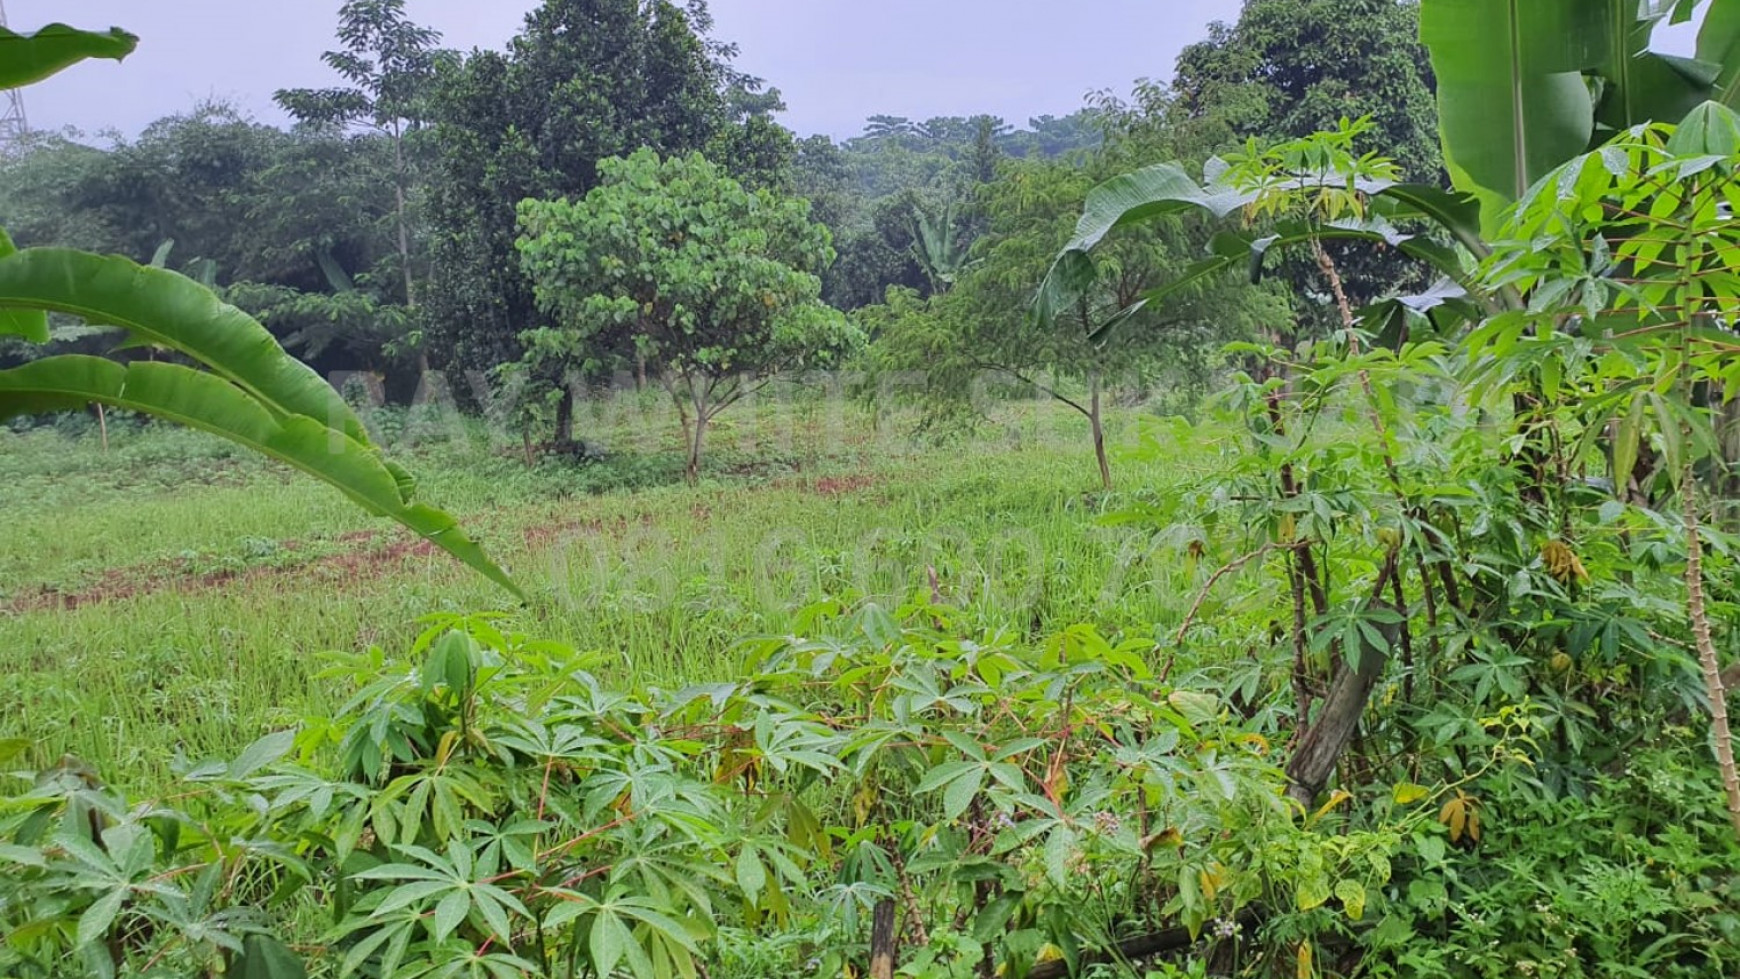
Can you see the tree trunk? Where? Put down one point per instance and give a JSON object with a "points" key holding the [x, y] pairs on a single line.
{"points": [[404, 224], [1320, 749], [565, 419], [1097, 422], [696, 437], [1309, 769], [1707, 649], [405, 240]]}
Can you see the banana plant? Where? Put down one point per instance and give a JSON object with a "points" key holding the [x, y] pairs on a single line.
{"points": [[28, 58], [938, 248], [1526, 85], [243, 386]]}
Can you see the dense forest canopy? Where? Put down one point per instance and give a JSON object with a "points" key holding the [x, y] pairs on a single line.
{"points": [[378, 233]]}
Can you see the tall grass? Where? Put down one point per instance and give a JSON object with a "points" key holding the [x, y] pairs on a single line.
{"points": [[171, 597]]}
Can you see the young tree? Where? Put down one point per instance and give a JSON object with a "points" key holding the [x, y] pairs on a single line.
{"points": [[714, 287], [983, 325]]}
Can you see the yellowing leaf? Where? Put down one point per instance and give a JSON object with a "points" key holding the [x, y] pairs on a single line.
{"points": [[1455, 815], [1311, 892], [1462, 816], [1255, 742], [1336, 798], [1407, 793], [1351, 894], [1166, 837], [1212, 878], [444, 750], [1197, 707], [1304, 970]]}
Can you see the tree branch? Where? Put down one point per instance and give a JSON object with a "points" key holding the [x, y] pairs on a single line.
{"points": [[1024, 379]]}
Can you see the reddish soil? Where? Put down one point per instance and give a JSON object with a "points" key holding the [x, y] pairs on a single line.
{"points": [[368, 555], [543, 535], [119, 584]]}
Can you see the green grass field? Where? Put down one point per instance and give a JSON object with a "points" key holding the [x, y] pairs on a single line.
{"points": [[173, 596]]}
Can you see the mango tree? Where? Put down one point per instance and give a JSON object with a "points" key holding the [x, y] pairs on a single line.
{"points": [[954, 340], [712, 286]]}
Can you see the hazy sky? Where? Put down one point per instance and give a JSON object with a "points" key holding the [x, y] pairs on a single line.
{"points": [[836, 61]]}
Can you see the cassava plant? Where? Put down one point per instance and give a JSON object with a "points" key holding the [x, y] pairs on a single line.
{"points": [[488, 807], [1628, 257]]}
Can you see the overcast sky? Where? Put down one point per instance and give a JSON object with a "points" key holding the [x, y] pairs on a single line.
{"points": [[836, 61]]}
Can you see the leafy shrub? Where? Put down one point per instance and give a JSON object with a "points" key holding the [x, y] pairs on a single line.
{"points": [[488, 808]]}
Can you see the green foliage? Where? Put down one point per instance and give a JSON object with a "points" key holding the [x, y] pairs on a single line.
{"points": [[1290, 68], [267, 215], [390, 65], [584, 81], [251, 392], [1305, 191], [673, 265], [1538, 600], [1626, 257], [1454, 667], [489, 808], [1634, 877], [162, 585], [965, 342], [371, 333], [388, 61], [874, 190]]}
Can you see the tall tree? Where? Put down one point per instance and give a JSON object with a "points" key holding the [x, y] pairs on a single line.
{"points": [[297, 228], [389, 63], [584, 80], [712, 285], [1290, 68]]}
